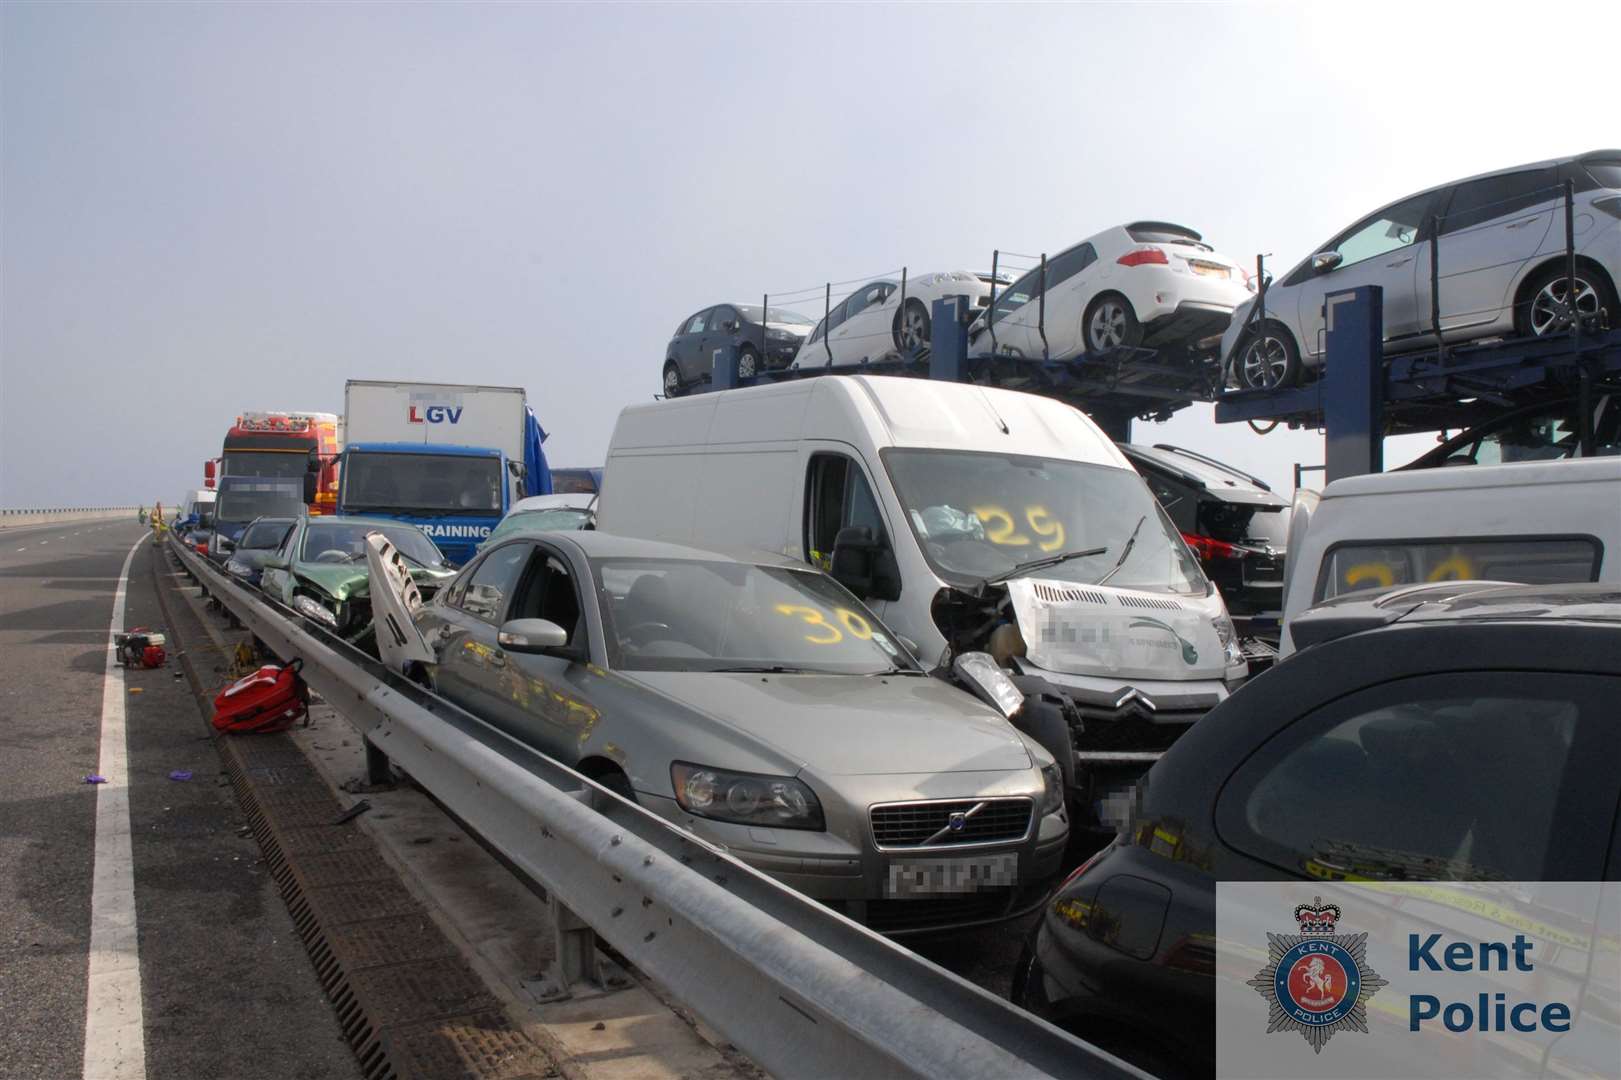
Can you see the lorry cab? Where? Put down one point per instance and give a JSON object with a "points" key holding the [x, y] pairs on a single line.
{"points": [[1532, 523], [455, 494], [970, 518]]}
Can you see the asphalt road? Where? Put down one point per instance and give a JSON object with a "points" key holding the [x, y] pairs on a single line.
{"points": [[226, 987]]}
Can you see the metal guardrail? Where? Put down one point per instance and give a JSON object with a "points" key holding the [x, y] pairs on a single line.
{"points": [[798, 987]]}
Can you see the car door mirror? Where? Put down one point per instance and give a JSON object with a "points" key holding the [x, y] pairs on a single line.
{"points": [[1324, 261], [851, 562], [275, 562], [730, 326], [531, 635], [309, 488]]}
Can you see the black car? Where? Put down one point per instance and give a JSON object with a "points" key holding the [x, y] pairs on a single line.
{"points": [[1233, 522], [1545, 431], [258, 542], [764, 341], [1464, 731]]}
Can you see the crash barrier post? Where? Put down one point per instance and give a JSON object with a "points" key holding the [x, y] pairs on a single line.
{"points": [[1353, 382], [796, 986], [948, 338]]}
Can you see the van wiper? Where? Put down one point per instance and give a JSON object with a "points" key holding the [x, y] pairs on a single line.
{"points": [[766, 669], [1125, 553], [1045, 560]]}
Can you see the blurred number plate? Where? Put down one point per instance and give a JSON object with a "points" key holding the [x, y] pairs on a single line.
{"points": [[933, 877], [1210, 269]]}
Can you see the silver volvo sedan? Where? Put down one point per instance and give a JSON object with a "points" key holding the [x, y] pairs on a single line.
{"points": [[760, 705]]}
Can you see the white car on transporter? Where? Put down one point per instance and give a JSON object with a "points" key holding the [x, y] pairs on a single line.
{"points": [[1499, 248], [875, 322], [1149, 283]]}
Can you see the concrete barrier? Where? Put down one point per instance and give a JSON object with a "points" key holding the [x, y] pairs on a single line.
{"points": [[11, 519]]}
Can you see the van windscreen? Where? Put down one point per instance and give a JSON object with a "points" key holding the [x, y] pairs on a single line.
{"points": [[977, 516]]}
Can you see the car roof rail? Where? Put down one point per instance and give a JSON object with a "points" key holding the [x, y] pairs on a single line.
{"points": [[1222, 465]]}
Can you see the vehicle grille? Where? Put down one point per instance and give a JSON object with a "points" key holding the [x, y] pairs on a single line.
{"points": [[1129, 729], [900, 825]]}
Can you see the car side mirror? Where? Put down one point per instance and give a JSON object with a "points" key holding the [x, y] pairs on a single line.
{"points": [[309, 488], [531, 635], [865, 565], [275, 562], [312, 463], [1324, 261]]}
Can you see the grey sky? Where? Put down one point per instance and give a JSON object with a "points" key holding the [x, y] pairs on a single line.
{"points": [[205, 209]]}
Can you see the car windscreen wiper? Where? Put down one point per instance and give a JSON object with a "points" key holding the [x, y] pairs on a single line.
{"points": [[766, 669], [1125, 552], [1045, 560]]}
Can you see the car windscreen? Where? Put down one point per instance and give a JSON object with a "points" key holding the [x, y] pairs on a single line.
{"points": [[696, 615], [556, 519], [245, 505], [978, 515], [778, 315], [266, 463], [342, 541], [265, 534], [1379, 564], [451, 483]]}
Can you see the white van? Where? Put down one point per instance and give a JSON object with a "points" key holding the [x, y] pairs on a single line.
{"points": [[969, 518], [1534, 522]]}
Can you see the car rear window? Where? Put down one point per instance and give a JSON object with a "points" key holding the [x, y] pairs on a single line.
{"points": [[1165, 234], [1542, 560], [1606, 173]]}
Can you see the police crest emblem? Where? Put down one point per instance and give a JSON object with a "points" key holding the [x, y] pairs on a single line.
{"points": [[1317, 981]]}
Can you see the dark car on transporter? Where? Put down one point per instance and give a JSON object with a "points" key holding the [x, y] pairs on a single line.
{"points": [[764, 339], [1392, 699]]}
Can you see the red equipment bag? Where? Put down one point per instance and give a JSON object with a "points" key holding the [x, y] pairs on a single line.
{"points": [[269, 700]]}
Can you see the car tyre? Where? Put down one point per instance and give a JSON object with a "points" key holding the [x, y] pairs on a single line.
{"points": [[1111, 324], [672, 380], [912, 327], [1267, 359], [1541, 313], [748, 362]]}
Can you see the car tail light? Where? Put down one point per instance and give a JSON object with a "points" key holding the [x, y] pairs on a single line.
{"points": [[1085, 866], [202, 547], [1145, 256], [1208, 547]]}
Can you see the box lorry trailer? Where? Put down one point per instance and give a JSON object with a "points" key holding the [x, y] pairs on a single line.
{"points": [[450, 459]]}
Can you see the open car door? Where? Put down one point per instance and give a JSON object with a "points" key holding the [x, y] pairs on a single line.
{"points": [[395, 600]]}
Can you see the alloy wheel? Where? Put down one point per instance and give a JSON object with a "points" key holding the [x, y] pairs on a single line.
{"points": [[1551, 309], [1108, 328], [672, 381], [914, 327], [745, 365], [1266, 362]]}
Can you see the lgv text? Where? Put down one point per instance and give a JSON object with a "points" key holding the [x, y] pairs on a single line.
{"points": [[434, 414]]}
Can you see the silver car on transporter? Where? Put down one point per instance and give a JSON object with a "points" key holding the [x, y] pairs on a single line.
{"points": [[1499, 239], [760, 705]]}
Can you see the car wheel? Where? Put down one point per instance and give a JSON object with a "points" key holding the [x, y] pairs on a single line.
{"points": [[672, 380], [1267, 359], [1545, 310], [748, 362], [1111, 324], [912, 327]]}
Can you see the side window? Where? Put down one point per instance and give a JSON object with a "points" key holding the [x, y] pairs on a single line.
{"points": [[1539, 560], [1536, 805], [696, 325], [1179, 503], [1068, 264], [550, 592], [1392, 228], [1016, 295], [866, 296], [492, 583], [816, 335], [837, 495], [721, 316], [1479, 201]]}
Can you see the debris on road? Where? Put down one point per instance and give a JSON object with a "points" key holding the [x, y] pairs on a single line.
{"points": [[94, 779], [180, 774]]}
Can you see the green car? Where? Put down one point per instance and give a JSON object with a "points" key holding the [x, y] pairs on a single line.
{"points": [[320, 570]]}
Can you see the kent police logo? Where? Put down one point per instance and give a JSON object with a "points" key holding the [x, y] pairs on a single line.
{"points": [[1317, 981]]}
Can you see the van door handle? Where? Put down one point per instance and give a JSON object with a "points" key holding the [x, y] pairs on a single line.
{"points": [[1521, 224], [1400, 262]]}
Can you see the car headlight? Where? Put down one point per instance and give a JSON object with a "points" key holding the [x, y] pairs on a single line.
{"points": [[988, 681], [1052, 790], [779, 802], [239, 569], [1228, 634], [314, 609], [780, 335]]}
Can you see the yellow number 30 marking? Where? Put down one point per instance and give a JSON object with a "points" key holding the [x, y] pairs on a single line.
{"points": [[816, 620]]}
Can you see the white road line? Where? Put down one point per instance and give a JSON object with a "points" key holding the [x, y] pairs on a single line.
{"points": [[24, 548], [114, 1036]]}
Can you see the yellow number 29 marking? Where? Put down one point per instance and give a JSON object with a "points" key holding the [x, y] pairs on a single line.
{"points": [[817, 621], [1378, 573], [1001, 529], [1042, 523]]}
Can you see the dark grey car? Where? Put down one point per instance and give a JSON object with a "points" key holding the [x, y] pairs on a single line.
{"points": [[758, 704], [764, 340]]}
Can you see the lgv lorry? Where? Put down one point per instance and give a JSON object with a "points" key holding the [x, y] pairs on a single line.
{"points": [[449, 459]]}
